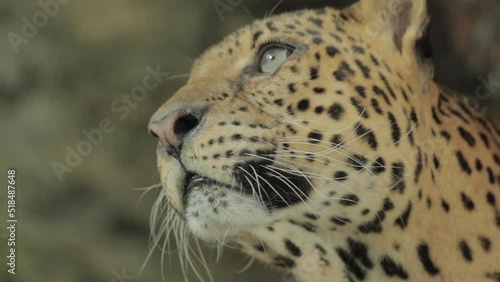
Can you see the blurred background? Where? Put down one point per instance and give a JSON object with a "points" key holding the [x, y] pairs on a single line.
{"points": [[64, 66]]}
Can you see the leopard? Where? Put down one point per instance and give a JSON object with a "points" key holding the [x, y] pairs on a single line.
{"points": [[318, 142]]}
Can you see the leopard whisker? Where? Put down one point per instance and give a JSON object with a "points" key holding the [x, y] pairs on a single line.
{"points": [[350, 142], [269, 13], [274, 190], [360, 116], [256, 193], [316, 176], [406, 134], [322, 177], [259, 187], [306, 175], [246, 266], [283, 178]]}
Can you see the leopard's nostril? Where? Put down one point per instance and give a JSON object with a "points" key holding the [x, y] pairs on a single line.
{"points": [[184, 124], [173, 129]]}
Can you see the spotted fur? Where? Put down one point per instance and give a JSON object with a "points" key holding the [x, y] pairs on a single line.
{"points": [[347, 162]]}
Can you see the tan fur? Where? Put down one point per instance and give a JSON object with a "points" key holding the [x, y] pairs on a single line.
{"points": [[222, 70]]}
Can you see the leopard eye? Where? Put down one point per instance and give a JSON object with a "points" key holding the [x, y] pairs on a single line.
{"points": [[272, 58]]}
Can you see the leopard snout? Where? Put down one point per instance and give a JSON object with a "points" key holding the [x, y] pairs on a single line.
{"points": [[174, 128]]}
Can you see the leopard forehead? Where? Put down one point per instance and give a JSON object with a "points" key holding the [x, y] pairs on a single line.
{"points": [[321, 33]]}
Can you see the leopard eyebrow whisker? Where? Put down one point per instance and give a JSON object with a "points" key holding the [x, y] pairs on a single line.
{"points": [[248, 13], [190, 60], [269, 13], [184, 75]]}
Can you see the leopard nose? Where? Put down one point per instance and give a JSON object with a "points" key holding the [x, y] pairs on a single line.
{"points": [[173, 129]]}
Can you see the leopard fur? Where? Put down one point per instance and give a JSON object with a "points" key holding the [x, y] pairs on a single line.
{"points": [[346, 162]]}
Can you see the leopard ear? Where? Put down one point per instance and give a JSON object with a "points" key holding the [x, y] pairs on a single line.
{"points": [[405, 21]]}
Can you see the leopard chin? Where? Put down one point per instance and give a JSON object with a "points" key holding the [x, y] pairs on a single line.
{"points": [[216, 213]]}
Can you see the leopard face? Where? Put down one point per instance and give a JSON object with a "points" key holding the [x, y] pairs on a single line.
{"points": [[320, 136]]}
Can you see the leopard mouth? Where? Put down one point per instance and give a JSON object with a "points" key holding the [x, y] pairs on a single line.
{"points": [[193, 180], [275, 191]]}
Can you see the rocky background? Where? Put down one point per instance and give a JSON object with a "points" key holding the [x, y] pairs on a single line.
{"points": [[61, 77]]}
